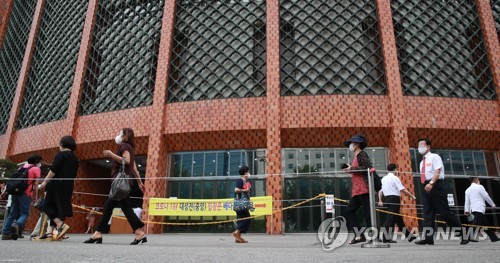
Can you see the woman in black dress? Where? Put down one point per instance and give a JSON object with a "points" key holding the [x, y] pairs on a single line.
{"points": [[126, 151], [59, 183], [242, 188]]}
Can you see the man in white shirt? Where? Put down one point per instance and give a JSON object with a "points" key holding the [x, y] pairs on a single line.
{"points": [[475, 198], [391, 189], [434, 195]]}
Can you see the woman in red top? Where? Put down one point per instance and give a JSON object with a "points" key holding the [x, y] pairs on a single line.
{"points": [[359, 186]]}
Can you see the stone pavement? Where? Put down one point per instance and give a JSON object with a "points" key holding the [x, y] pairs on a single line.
{"points": [[221, 248]]}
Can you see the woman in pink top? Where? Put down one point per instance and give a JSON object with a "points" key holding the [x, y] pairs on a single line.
{"points": [[20, 208], [359, 187]]}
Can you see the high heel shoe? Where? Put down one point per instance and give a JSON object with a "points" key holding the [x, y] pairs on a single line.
{"points": [[92, 241], [137, 241]]}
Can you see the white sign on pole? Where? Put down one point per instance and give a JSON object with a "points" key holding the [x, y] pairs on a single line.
{"points": [[451, 200], [330, 202]]}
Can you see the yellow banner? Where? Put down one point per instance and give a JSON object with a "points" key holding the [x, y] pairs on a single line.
{"points": [[206, 207]]}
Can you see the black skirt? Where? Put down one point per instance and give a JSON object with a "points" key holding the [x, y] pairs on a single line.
{"points": [[58, 199]]}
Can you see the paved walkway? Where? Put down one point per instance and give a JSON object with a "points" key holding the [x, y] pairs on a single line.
{"points": [[221, 248]]}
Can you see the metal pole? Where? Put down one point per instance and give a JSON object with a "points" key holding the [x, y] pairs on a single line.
{"points": [[322, 207], [371, 189]]}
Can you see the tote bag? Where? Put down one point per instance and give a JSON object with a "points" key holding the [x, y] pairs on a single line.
{"points": [[120, 187]]}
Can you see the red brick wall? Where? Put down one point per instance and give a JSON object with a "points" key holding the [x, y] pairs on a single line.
{"points": [[272, 122]]}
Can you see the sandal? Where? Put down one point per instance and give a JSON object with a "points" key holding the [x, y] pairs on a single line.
{"points": [[46, 236], [61, 231]]}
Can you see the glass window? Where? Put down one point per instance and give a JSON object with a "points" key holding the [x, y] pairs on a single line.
{"points": [[445, 156], [341, 157], [260, 163], [289, 164], [198, 164], [316, 163], [176, 166], [480, 163], [303, 165], [328, 160], [187, 165], [210, 164], [457, 163], [468, 163], [234, 162], [377, 156], [414, 164], [222, 164]]}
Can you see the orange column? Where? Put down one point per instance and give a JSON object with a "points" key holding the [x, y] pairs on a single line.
{"points": [[157, 154], [5, 9], [274, 179], [492, 42], [23, 78], [81, 66], [398, 145], [492, 47]]}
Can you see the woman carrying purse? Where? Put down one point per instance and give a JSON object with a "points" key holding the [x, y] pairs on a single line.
{"points": [[242, 188], [125, 140]]}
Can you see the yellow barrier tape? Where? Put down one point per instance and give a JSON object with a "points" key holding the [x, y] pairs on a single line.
{"points": [[277, 211], [213, 222]]}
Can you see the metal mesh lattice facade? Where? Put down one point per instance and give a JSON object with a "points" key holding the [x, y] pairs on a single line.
{"points": [[121, 68], [219, 50], [12, 54], [441, 49], [495, 8], [330, 47], [52, 70]]}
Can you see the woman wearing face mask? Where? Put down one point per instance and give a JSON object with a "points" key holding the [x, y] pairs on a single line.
{"points": [[125, 140], [59, 192], [359, 187], [20, 207], [242, 188]]}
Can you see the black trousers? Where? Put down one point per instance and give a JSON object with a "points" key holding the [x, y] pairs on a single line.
{"points": [[394, 205], [126, 207], [436, 202], [243, 225], [355, 203], [480, 220]]}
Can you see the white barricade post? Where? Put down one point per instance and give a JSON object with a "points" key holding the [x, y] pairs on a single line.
{"points": [[329, 200], [375, 242]]}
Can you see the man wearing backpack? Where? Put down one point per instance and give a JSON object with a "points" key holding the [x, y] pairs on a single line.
{"points": [[22, 187]]}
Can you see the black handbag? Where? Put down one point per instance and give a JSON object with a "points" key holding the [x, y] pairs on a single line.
{"points": [[39, 203], [120, 187], [377, 182]]}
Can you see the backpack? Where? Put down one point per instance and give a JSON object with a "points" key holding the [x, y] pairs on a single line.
{"points": [[18, 183]]}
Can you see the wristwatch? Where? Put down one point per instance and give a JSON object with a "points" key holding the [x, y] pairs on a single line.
{"points": [[431, 183]]}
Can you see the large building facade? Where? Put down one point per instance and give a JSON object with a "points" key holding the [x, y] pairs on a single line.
{"points": [[277, 85]]}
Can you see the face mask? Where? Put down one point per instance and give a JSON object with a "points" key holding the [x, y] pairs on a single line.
{"points": [[351, 147], [422, 150], [118, 139], [38, 165]]}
